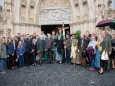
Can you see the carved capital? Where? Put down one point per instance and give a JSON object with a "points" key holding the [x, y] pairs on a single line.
{"points": [[32, 4], [76, 2], [109, 1], [84, 2], [24, 3]]}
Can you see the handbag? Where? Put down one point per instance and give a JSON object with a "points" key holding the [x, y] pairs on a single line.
{"points": [[105, 56]]}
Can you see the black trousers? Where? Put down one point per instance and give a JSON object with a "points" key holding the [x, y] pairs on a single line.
{"points": [[40, 57], [104, 64], [28, 58], [49, 55], [10, 62]]}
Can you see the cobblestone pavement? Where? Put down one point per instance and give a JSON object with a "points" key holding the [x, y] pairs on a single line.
{"points": [[56, 75]]}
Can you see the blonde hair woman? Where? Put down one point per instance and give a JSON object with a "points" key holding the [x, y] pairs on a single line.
{"points": [[98, 52], [20, 54]]}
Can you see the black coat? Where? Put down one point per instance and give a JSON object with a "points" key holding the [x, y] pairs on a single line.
{"points": [[40, 45], [28, 45], [34, 47], [59, 46], [51, 42]]}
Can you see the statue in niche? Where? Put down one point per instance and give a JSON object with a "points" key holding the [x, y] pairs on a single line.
{"points": [[100, 14], [8, 31], [110, 14], [109, 3]]}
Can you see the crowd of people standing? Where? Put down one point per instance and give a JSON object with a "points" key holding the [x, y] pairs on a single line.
{"points": [[96, 52]]}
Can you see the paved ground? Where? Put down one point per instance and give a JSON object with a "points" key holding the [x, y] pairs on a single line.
{"points": [[56, 75]]}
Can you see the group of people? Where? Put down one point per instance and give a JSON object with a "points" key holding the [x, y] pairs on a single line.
{"points": [[90, 49]]}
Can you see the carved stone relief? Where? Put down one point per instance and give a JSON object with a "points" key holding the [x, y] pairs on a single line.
{"points": [[55, 15]]}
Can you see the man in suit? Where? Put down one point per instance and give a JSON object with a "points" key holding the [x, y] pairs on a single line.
{"points": [[28, 50], [40, 48], [49, 46], [15, 44]]}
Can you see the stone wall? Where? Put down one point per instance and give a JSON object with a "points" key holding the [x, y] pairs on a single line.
{"points": [[27, 16]]}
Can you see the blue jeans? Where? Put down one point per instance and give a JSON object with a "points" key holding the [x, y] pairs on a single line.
{"points": [[68, 53], [21, 61], [2, 64]]}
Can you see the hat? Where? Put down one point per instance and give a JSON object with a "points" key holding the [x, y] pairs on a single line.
{"points": [[72, 34]]}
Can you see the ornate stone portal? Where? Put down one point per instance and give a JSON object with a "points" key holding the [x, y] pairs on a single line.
{"points": [[27, 16]]}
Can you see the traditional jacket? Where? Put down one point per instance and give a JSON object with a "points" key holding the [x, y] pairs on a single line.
{"points": [[3, 51], [68, 43], [106, 44], [74, 48]]}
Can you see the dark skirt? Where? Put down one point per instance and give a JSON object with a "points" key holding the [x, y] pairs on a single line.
{"points": [[113, 54]]}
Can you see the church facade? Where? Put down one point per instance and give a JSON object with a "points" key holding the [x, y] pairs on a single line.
{"points": [[29, 16]]}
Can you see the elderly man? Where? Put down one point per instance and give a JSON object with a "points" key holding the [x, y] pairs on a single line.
{"points": [[106, 46], [40, 48]]}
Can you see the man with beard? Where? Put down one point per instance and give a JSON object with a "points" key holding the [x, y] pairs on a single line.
{"points": [[67, 47]]}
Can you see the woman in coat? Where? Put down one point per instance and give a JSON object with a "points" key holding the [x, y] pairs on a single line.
{"points": [[10, 53], [3, 56]]}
